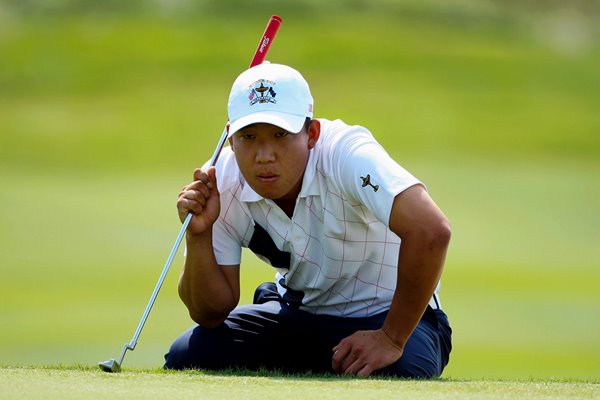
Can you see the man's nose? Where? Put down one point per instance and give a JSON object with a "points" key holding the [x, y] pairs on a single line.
{"points": [[265, 153]]}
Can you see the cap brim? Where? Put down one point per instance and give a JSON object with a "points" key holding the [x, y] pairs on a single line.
{"points": [[290, 122]]}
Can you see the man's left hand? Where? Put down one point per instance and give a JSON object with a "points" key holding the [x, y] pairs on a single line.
{"points": [[364, 352]]}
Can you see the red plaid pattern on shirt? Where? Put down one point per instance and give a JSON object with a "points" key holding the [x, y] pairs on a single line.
{"points": [[343, 257]]}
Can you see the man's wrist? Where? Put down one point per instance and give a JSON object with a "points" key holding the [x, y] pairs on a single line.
{"points": [[394, 342], [195, 239]]}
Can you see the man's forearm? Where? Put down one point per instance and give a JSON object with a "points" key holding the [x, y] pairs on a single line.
{"points": [[420, 267], [203, 286]]}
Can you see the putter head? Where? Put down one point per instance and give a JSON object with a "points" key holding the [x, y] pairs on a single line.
{"points": [[110, 366]]}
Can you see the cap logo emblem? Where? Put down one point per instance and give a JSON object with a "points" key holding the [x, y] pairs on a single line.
{"points": [[367, 181], [261, 93]]}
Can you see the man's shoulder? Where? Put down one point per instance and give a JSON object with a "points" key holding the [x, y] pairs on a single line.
{"points": [[333, 127], [334, 132]]}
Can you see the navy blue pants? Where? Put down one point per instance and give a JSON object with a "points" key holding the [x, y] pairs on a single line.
{"points": [[271, 334]]}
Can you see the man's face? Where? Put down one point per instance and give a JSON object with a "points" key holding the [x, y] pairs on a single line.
{"points": [[273, 160]]}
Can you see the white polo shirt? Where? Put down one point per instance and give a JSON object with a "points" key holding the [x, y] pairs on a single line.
{"points": [[336, 255]]}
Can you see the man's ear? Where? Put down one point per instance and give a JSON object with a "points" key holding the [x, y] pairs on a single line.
{"points": [[314, 132]]}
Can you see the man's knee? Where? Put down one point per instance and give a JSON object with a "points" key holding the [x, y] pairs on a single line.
{"points": [[414, 366], [427, 351], [200, 348], [242, 340], [178, 356]]}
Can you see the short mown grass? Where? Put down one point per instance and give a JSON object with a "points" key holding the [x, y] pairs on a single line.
{"points": [[89, 383]]}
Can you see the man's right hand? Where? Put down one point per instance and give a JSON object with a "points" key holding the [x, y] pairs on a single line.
{"points": [[201, 198]]}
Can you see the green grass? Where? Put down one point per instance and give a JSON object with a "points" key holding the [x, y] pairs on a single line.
{"points": [[75, 383], [104, 114]]}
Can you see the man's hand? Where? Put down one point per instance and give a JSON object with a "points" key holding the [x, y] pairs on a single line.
{"points": [[201, 198], [364, 352]]}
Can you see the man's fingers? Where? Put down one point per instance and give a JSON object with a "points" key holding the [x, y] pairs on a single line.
{"points": [[365, 371], [207, 178], [346, 360], [200, 198], [355, 364], [212, 174], [339, 354], [198, 195], [195, 199], [362, 353], [198, 174], [354, 367], [351, 363], [192, 206], [199, 191], [200, 186]]}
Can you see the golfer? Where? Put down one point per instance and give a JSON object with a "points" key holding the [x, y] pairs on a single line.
{"points": [[355, 241]]}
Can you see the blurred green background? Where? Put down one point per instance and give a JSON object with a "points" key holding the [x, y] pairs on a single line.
{"points": [[106, 108]]}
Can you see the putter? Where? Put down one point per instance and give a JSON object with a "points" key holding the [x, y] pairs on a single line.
{"points": [[113, 365]]}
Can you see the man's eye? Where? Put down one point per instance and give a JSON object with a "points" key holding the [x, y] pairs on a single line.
{"points": [[281, 134], [248, 137]]}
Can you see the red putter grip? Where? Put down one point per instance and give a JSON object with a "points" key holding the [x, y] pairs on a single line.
{"points": [[266, 40]]}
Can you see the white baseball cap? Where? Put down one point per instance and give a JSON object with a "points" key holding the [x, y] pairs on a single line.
{"points": [[269, 93]]}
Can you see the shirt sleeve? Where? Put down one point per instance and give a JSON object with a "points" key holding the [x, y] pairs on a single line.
{"points": [[226, 246], [368, 174], [228, 249]]}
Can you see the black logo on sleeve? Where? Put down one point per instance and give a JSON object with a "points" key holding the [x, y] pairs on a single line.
{"points": [[367, 181]]}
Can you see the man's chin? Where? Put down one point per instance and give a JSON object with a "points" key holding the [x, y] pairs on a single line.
{"points": [[269, 194]]}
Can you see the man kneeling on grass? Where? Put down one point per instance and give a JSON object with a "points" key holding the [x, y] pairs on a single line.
{"points": [[358, 245]]}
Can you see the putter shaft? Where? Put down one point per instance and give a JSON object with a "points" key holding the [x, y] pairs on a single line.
{"points": [[131, 345], [161, 279], [259, 56]]}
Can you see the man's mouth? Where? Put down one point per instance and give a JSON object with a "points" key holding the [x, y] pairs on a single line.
{"points": [[267, 177]]}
